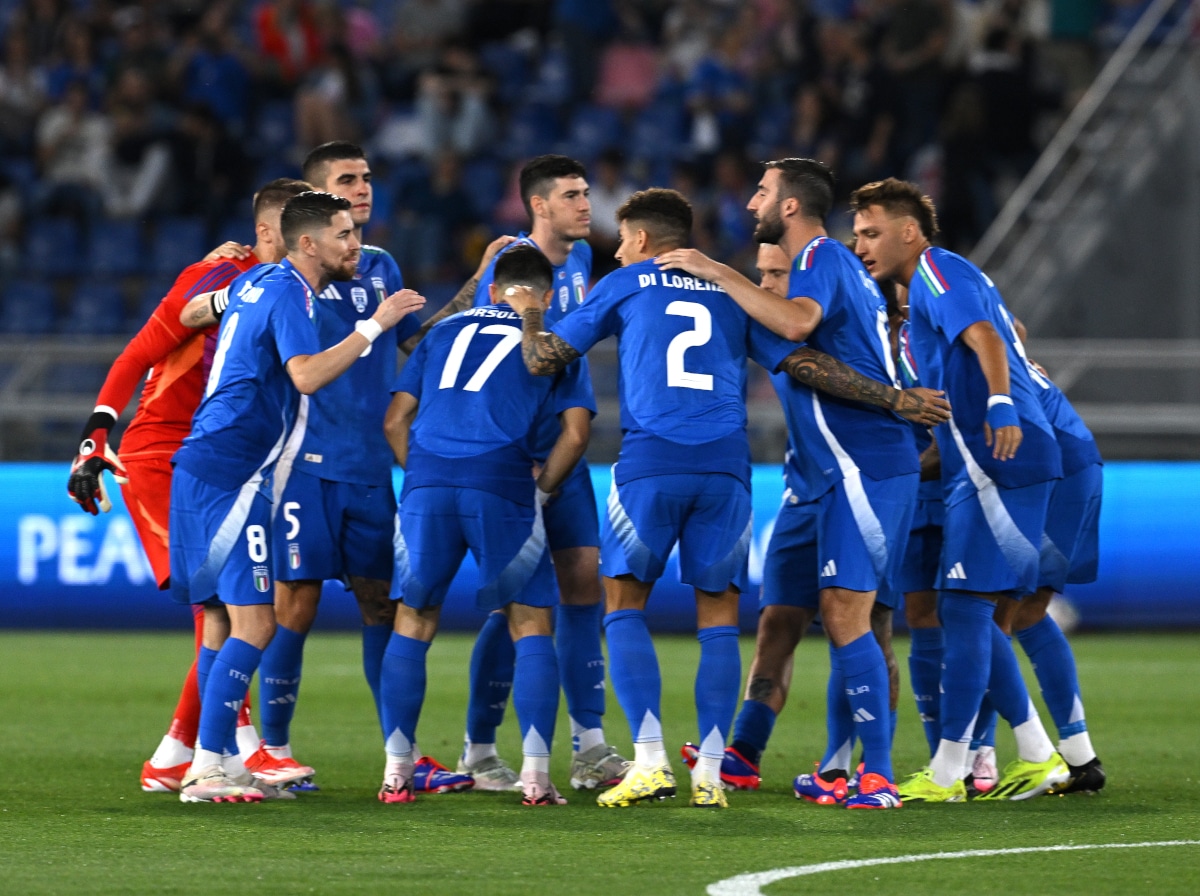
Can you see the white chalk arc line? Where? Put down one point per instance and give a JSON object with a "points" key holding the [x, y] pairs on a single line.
{"points": [[751, 884]]}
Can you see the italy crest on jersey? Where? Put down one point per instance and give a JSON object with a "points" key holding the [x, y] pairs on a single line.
{"points": [[578, 288], [358, 296], [380, 289], [262, 581], [293, 555]]}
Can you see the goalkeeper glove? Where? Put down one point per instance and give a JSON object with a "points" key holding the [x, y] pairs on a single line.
{"points": [[86, 485]]}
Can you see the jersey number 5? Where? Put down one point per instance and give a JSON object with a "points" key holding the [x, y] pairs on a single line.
{"points": [[677, 375], [510, 338]]}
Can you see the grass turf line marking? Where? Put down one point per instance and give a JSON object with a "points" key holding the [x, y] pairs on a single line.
{"points": [[751, 884]]}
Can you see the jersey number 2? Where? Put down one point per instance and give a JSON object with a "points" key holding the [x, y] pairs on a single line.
{"points": [[677, 375], [510, 338]]}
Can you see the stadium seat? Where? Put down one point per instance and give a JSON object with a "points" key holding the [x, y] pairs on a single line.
{"points": [[116, 249], [532, 129], [177, 243], [274, 130], [52, 247], [509, 68], [148, 299], [483, 179], [28, 308], [657, 134], [771, 131], [98, 307], [593, 129]]}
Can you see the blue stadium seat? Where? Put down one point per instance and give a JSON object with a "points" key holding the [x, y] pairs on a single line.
{"points": [[593, 129], [149, 298], [532, 129], [509, 68], [274, 130], [52, 247], [771, 131], [237, 230], [177, 243], [28, 308], [657, 134], [483, 179], [116, 249], [98, 307]]}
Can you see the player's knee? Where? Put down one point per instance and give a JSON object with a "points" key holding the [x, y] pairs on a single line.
{"points": [[578, 574], [373, 602]]}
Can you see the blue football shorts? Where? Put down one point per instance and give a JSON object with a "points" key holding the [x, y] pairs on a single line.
{"points": [[862, 531], [992, 538], [919, 568], [328, 530], [220, 543], [439, 524], [788, 568], [571, 519], [1071, 544], [707, 514]]}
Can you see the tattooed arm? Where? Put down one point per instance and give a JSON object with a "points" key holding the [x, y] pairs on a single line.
{"points": [[820, 371], [463, 299], [543, 352]]}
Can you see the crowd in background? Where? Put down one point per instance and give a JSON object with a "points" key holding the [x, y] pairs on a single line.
{"points": [[156, 119]]}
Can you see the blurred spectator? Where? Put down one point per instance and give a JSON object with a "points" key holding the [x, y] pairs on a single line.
{"points": [[42, 22], [718, 98], [336, 101], [420, 28], [915, 33], [583, 27], [73, 157], [452, 103], [76, 62], [289, 41], [211, 174], [10, 227], [137, 46], [609, 189], [434, 216], [211, 68], [22, 94], [733, 226]]}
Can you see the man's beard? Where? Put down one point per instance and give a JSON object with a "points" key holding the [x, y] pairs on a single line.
{"points": [[769, 230]]}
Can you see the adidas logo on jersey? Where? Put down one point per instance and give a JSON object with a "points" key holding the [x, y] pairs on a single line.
{"points": [[829, 569], [956, 572]]}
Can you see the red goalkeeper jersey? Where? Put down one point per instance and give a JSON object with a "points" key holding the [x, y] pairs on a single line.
{"points": [[175, 361]]}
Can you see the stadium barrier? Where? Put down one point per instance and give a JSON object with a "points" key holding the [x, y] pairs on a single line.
{"points": [[61, 568]]}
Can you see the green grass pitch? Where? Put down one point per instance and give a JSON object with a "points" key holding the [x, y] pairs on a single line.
{"points": [[80, 712]]}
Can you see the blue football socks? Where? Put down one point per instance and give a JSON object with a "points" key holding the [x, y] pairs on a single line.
{"points": [[839, 720], [535, 693], [718, 677], [1054, 664], [402, 692], [374, 644], [752, 729], [967, 659], [225, 692], [925, 670], [636, 679], [279, 684], [865, 678], [491, 679], [581, 662]]}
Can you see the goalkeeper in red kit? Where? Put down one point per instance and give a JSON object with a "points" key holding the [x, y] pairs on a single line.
{"points": [[175, 361]]}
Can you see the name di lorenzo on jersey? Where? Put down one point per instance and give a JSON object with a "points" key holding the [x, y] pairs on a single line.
{"points": [[677, 281]]}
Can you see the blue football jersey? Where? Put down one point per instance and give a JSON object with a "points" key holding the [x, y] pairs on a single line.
{"points": [[910, 379], [946, 295], [570, 285], [478, 404], [571, 279], [343, 436], [835, 435], [682, 350], [1075, 440], [250, 402]]}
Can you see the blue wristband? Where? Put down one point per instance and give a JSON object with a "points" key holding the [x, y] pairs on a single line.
{"points": [[1001, 413]]}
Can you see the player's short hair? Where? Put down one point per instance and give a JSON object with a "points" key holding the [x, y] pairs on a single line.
{"points": [[316, 164], [807, 180], [664, 214], [306, 212], [275, 194], [538, 176], [898, 198], [523, 266]]}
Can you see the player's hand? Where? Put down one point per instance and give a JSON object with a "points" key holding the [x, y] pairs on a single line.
{"points": [[921, 405], [228, 250], [86, 485], [492, 250], [395, 306], [522, 299], [1002, 429], [693, 261]]}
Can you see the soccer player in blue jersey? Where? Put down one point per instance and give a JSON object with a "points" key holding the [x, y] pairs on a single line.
{"points": [[859, 463], [267, 356], [785, 610], [554, 189], [996, 495], [463, 425], [334, 502], [682, 476]]}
